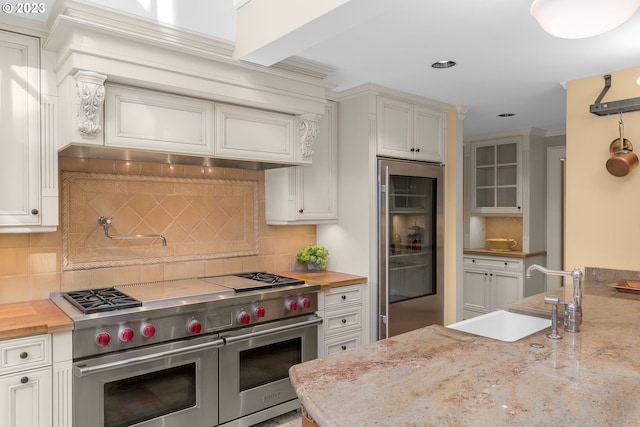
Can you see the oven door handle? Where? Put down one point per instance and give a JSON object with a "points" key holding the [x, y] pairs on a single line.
{"points": [[235, 339], [81, 371]]}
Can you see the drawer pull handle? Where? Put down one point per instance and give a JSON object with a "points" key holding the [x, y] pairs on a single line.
{"points": [[344, 321], [344, 297], [24, 355], [24, 380], [344, 347]]}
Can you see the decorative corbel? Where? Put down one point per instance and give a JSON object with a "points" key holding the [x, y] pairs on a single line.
{"points": [[462, 110], [90, 100], [307, 133]]}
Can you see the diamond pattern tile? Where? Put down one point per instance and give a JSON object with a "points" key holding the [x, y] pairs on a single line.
{"points": [[200, 218]]}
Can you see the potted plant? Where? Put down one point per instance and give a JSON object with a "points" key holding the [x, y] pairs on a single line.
{"points": [[316, 257]]}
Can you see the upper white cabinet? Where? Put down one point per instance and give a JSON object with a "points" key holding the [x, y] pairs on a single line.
{"points": [[496, 177], [247, 133], [151, 120], [307, 194], [410, 131], [28, 161]]}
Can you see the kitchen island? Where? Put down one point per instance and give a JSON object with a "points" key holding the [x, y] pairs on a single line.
{"points": [[437, 376]]}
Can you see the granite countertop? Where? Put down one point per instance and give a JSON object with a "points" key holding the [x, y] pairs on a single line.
{"points": [[31, 318], [326, 279], [508, 254], [437, 376]]}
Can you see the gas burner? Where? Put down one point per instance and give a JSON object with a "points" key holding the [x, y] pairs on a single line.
{"points": [[271, 279], [99, 300]]}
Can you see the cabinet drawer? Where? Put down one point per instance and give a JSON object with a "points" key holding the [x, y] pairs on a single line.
{"points": [[342, 343], [494, 264], [24, 353], [343, 296], [342, 320]]}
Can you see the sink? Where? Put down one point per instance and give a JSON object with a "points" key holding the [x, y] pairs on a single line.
{"points": [[502, 325]]}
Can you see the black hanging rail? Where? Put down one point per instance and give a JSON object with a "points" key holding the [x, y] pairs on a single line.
{"points": [[614, 107]]}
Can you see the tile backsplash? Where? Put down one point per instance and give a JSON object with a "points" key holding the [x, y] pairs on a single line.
{"points": [[213, 219], [504, 228]]}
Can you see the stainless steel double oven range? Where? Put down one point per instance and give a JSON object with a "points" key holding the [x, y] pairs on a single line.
{"points": [[195, 352]]}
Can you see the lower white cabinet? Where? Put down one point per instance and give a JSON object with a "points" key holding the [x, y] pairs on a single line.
{"points": [[342, 311], [490, 283], [25, 382]]}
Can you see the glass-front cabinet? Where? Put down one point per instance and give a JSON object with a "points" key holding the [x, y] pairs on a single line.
{"points": [[496, 177]]}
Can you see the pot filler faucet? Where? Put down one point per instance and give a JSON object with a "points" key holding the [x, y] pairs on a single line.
{"points": [[572, 310]]}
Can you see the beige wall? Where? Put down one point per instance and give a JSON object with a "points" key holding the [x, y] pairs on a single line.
{"points": [[451, 208], [602, 213], [31, 264]]}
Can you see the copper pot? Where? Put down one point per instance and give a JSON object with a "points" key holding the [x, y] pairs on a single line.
{"points": [[622, 159]]}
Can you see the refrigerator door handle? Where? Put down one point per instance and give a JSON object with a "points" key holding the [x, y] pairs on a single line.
{"points": [[387, 242]]}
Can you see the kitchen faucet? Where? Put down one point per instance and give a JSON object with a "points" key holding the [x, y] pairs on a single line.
{"points": [[573, 310]]}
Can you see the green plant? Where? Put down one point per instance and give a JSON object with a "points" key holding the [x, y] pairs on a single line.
{"points": [[313, 253]]}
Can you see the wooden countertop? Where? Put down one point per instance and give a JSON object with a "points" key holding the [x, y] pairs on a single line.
{"points": [[31, 318], [438, 376], [509, 254], [326, 279]]}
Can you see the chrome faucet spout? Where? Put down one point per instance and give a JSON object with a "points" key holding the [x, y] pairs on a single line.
{"points": [[575, 274]]}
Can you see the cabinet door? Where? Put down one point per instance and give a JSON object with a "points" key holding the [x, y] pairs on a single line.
{"points": [[429, 134], [20, 130], [247, 133], [151, 120], [496, 177], [307, 194], [394, 128], [506, 288], [476, 292], [25, 399]]}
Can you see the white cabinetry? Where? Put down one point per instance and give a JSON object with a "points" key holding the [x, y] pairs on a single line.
{"points": [[247, 133], [307, 194], [342, 310], [151, 120], [490, 283], [25, 382], [409, 131], [28, 161]]}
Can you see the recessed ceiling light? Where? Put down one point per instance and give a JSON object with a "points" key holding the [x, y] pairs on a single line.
{"points": [[506, 115], [443, 64]]}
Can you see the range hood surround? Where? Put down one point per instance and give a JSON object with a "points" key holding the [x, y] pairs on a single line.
{"points": [[144, 54]]}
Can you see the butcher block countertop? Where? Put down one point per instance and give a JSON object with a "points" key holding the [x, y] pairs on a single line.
{"points": [[31, 318], [437, 376], [326, 279]]}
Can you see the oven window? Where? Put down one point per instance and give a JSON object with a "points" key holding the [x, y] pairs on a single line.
{"points": [[269, 363], [144, 397]]}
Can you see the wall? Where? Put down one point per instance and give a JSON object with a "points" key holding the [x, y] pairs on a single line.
{"points": [[602, 211], [31, 264]]}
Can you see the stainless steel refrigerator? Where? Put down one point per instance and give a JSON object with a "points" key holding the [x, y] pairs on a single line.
{"points": [[411, 237]]}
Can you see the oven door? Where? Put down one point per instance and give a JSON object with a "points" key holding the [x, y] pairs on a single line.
{"points": [[167, 385], [255, 362]]}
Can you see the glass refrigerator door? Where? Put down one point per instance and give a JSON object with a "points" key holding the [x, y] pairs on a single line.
{"points": [[412, 233]]}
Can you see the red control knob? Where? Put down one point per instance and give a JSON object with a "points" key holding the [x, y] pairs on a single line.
{"points": [[304, 302], [126, 335], [244, 318], [291, 305], [148, 331], [195, 327], [103, 339], [259, 311]]}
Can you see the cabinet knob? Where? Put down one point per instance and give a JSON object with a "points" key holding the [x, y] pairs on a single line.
{"points": [[519, 208], [344, 297], [300, 210], [34, 211], [24, 380], [486, 274], [344, 347], [344, 321], [413, 149], [24, 355], [417, 150]]}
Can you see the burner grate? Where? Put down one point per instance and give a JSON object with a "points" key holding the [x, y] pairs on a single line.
{"points": [[272, 280], [99, 300]]}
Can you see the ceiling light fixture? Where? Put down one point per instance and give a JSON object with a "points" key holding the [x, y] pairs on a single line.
{"points": [[577, 19], [443, 64]]}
